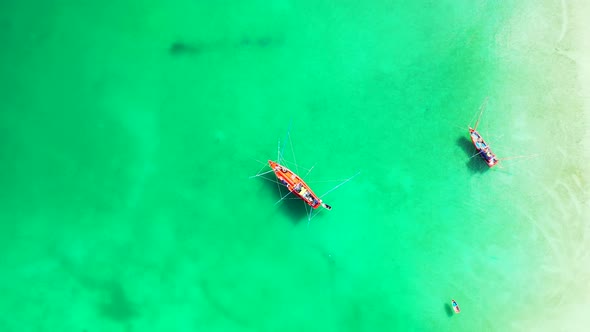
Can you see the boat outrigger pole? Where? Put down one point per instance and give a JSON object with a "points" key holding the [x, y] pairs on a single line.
{"points": [[481, 109]]}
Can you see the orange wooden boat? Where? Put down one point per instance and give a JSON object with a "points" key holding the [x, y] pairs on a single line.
{"points": [[296, 185], [482, 148]]}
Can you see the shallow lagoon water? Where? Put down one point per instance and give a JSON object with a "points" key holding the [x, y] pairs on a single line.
{"points": [[130, 131]]}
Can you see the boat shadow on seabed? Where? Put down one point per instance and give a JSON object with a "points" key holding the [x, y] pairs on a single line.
{"points": [[448, 310], [474, 162]]}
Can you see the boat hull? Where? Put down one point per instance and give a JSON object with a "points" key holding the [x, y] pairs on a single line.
{"points": [[455, 306], [483, 148], [295, 184]]}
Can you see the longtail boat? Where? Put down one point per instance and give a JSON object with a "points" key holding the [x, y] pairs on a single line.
{"points": [[297, 186], [483, 149]]}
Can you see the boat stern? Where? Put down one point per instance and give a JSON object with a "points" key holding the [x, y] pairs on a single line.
{"points": [[492, 162]]}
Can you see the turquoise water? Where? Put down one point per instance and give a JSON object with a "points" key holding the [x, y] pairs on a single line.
{"points": [[129, 133]]}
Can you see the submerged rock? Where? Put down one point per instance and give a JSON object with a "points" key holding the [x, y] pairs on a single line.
{"points": [[182, 48]]}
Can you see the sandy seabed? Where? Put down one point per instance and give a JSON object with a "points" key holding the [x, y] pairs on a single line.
{"points": [[552, 40]]}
